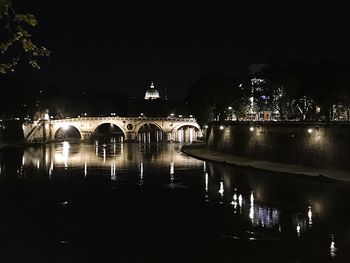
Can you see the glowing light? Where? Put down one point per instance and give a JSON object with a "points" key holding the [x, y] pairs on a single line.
{"points": [[333, 248], [234, 201], [230, 108], [251, 129], [113, 177], [309, 215], [206, 182], [205, 126], [240, 200], [310, 130], [221, 191], [298, 229], [252, 198], [141, 171], [221, 127], [85, 169], [251, 210], [172, 168], [191, 116], [251, 213], [234, 197]]}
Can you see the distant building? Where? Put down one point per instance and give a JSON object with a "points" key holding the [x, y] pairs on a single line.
{"points": [[152, 93]]}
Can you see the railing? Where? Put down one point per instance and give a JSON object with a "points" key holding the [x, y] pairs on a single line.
{"points": [[126, 119]]}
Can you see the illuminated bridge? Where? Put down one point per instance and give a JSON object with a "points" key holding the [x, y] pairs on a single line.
{"points": [[142, 129]]}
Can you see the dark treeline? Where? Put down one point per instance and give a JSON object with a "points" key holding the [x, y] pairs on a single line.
{"points": [[22, 100], [296, 90]]}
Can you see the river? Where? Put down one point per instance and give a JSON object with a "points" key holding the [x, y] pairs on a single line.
{"points": [[107, 201]]}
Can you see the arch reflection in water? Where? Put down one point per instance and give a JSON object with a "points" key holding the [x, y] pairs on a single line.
{"points": [[108, 156], [149, 133], [187, 133]]}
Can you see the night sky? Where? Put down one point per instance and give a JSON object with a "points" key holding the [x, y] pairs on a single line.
{"points": [[126, 45]]}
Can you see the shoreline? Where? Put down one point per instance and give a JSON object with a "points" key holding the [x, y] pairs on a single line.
{"points": [[200, 151]]}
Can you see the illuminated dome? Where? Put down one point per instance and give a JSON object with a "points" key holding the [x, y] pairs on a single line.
{"points": [[152, 93]]}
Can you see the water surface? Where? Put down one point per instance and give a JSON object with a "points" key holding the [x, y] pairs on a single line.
{"points": [[130, 202]]}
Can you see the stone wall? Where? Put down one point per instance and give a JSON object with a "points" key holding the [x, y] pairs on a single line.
{"points": [[311, 144]]}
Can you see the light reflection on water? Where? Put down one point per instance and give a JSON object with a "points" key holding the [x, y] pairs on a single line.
{"points": [[251, 205], [114, 156]]}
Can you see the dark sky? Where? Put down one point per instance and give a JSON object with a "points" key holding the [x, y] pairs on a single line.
{"points": [[124, 45]]}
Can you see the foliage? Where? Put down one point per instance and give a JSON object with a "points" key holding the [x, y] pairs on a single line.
{"points": [[18, 44], [293, 90]]}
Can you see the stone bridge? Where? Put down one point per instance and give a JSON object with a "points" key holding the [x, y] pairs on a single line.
{"points": [[169, 128]]}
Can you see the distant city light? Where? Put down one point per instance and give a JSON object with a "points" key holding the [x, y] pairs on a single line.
{"points": [[221, 127], [310, 130], [230, 108], [171, 114], [191, 116], [180, 116], [251, 129], [205, 126]]}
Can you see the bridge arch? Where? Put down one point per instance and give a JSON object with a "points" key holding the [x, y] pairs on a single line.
{"points": [[111, 123], [67, 131], [186, 132], [149, 132]]}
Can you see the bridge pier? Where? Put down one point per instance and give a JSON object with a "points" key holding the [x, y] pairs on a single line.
{"points": [[85, 136], [130, 137]]}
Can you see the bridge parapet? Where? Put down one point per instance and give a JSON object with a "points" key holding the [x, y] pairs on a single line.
{"points": [[126, 119]]}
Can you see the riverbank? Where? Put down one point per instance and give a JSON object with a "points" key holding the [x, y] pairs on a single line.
{"points": [[200, 151]]}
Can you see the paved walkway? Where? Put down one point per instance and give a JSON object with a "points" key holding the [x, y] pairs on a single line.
{"points": [[198, 150]]}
